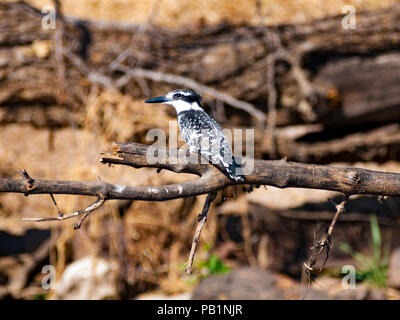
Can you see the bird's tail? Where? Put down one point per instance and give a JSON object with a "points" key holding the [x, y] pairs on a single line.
{"points": [[231, 171]]}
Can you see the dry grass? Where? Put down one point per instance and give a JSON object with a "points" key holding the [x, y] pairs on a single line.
{"points": [[155, 237], [117, 117]]}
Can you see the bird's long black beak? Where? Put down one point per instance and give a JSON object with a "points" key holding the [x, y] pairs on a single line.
{"points": [[156, 100]]}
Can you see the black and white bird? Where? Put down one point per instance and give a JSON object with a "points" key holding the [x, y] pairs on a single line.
{"points": [[201, 132]]}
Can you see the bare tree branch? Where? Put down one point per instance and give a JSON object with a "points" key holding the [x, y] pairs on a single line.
{"points": [[188, 83], [85, 211], [272, 98], [196, 238], [278, 173], [323, 242]]}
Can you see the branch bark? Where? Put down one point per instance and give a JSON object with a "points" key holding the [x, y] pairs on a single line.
{"points": [[278, 173]]}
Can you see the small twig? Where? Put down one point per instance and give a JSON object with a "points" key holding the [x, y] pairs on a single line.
{"points": [[272, 92], [26, 176], [60, 214], [307, 90], [220, 111], [28, 180], [79, 223], [325, 241], [58, 50], [97, 204], [340, 208], [202, 220], [272, 97], [61, 52], [141, 30], [137, 73], [96, 78], [188, 83]]}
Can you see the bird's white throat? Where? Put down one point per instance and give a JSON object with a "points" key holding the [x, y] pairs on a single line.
{"points": [[180, 105]]}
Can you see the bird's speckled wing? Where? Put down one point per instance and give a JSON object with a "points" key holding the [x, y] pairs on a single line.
{"points": [[205, 136]]}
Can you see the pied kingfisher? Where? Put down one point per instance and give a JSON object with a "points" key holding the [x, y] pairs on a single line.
{"points": [[201, 132]]}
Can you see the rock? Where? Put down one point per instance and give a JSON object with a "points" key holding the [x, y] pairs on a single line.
{"points": [[87, 279], [362, 291], [394, 269], [334, 288], [376, 294], [255, 284], [252, 283], [162, 296], [351, 294], [246, 284], [303, 293]]}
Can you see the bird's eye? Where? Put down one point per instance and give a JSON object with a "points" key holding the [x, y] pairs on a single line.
{"points": [[177, 95]]}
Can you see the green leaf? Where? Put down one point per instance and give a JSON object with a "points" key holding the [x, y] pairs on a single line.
{"points": [[374, 266], [376, 237]]}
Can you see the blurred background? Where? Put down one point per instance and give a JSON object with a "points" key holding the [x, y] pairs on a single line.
{"points": [[325, 94]]}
